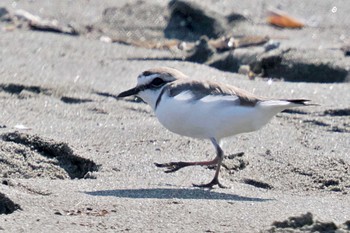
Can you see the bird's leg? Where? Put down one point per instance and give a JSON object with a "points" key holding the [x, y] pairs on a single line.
{"points": [[174, 166], [219, 158]]}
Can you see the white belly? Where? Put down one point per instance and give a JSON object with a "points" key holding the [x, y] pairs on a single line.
{"points": [[207, 118]]}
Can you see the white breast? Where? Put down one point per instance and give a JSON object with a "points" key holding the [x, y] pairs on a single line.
{"points": [[211, 116]]}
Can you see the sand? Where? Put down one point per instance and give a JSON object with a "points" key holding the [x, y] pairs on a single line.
{"points": [[75, 159]]}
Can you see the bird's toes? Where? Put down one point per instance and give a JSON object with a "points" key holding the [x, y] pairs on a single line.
{"points": [[211, 184], [208, 186], [172, 166], [161, 164]]}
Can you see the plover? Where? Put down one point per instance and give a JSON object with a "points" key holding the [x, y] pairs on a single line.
{"points": [[205, 110]]}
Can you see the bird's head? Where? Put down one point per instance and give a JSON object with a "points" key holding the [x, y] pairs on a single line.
{"points": [[151, 82]]}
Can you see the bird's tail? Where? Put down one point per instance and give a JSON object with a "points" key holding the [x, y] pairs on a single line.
{"points": [[300, 102], [287, 103]]}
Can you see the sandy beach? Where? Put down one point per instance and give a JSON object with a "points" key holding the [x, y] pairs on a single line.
{"points": [[75, 159]]}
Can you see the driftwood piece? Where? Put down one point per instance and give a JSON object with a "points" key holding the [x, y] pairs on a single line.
{"points": [[37, 23]]}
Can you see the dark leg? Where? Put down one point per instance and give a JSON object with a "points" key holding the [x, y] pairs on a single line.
{"points": [[174, 166], [219, 157]]}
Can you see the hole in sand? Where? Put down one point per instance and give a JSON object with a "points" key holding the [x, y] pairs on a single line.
{"points": [[30, 156], [7, 206]]}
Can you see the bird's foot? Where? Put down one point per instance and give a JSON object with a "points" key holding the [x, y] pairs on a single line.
{"points": [[210, 185], [173, 166]]}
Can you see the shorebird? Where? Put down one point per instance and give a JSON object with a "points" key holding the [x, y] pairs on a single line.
{"points": [[204, 110]]}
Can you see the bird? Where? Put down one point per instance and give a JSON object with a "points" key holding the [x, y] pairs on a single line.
{"points": [[204, 109]]}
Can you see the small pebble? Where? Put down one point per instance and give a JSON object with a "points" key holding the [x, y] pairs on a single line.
{"points": [[271, 45]]}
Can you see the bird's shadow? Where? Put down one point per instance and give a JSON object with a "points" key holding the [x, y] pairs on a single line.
{"points": [[177, 193]]}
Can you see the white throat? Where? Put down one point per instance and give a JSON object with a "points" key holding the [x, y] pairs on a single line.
{"points": [[150, 96]]}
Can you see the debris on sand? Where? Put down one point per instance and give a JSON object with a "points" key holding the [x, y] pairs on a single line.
{"points": [[22, 18], [306, 223], [283, 19]]}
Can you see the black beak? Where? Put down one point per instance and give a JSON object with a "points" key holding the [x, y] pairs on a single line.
{"points": [[132, 91]]}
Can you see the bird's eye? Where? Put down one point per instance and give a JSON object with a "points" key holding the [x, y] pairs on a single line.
{"points": [[157, 82]]}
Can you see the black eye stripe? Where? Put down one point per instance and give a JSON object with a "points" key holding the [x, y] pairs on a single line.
{"points": [[157, 82]]}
